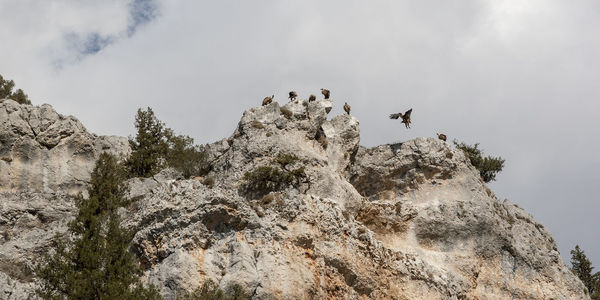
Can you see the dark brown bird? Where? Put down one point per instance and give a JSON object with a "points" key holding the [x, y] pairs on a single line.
{"points": [[312, 98], [326, 93], [405, 117], [293, 95], [268, 100], [346, 107], [441, 136]]}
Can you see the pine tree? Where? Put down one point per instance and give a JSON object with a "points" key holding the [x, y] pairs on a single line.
{"points": [[582, 267], [94, 262], [156, 146], [150, 147]]}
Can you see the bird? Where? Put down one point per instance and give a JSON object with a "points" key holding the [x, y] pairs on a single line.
{"points": [[325, 93], [405, 117], [268, 100], [312, 98], [441, 136], [293, 95], [346, 107]]}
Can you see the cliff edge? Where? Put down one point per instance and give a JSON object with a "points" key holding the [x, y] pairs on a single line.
{"points": [[404, 221]]}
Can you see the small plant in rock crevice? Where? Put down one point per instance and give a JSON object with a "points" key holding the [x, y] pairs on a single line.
{"points": [[275, 176]]}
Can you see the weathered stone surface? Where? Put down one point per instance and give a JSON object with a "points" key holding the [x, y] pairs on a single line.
{"points": [[43, 151], [402, 221]]}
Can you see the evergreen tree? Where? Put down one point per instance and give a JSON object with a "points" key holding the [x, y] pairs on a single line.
{"points": [[94, 263], [488, 166], [156, 146], [582, 267], [150, 147], [6, 87]]}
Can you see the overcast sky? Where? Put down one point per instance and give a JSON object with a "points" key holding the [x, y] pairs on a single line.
{"points": [[520, 77]]}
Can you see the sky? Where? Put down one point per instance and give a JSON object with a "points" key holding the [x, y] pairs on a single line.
{"points": [[519, 77]]}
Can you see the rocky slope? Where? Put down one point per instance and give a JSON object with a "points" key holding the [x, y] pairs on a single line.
{"points": [[403, 221]]}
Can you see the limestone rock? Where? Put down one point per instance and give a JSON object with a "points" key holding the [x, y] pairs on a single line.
{"points": [[43, 151], [401, 221]]}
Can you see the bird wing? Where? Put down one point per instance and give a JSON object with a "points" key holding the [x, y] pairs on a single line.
{"points": [[407, 113], [396, 116]]}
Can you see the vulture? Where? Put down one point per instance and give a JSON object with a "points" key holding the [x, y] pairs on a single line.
{"points": [[405, 117], [268, 100], [293, 95], [312, 98], [441, 136], [346, 107], [325, 93]]}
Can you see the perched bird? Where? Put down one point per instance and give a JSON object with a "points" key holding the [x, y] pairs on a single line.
{"points": [[293, 95], [325, 93], [268, 100], [346, 107], [441, 136], [405, 117], [312, 98]]}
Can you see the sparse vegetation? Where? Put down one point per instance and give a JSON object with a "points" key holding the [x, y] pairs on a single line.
{"points": [[6, 92], [93, 262], [210, 291], [275, 176], [156, 146], [488, 166]]}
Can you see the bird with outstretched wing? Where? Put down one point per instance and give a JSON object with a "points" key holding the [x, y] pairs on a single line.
{"points": [[405, 117]]}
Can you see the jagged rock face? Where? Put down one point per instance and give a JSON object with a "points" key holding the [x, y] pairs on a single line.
{"points": [[403, 221], [43, 151]]}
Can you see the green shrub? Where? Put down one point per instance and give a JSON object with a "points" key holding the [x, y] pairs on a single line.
{"points": [[488, 166], [6, 87], [275, 176], [183, 155], [210, 291], [284, 159]]}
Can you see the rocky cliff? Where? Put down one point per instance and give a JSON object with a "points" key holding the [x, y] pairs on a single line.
{"points": [[403, 221]]}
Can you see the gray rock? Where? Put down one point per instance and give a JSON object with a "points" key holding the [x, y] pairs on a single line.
{"points": [[43, 151], [402, 221]]}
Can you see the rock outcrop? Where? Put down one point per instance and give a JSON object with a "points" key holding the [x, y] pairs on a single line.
{"points": [[43, 151], [403, 221]]}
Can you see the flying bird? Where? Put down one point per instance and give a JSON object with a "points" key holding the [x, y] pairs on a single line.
{"points": [[312, 98], [293, 95], [268, 100], [405, 117], [346, 107], [325, 93], [441, 136]]}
